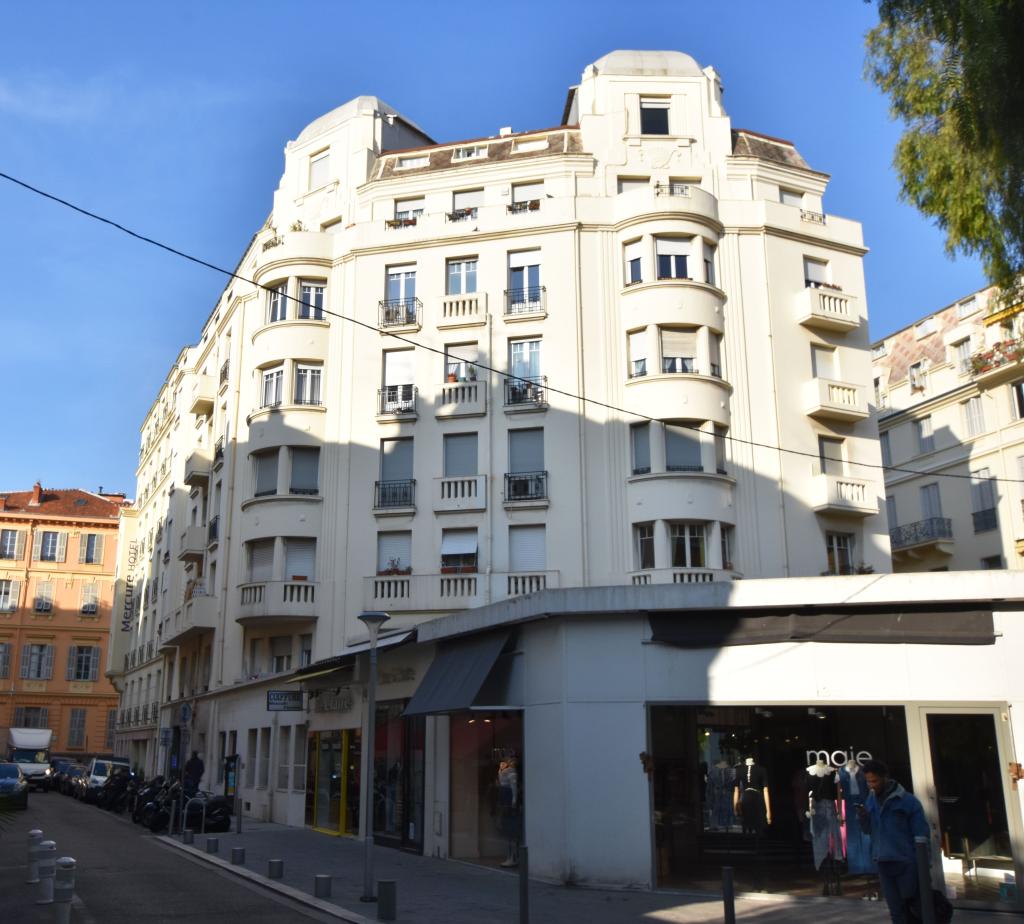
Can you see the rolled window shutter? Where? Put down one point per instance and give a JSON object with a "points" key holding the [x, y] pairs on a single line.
{"points": [[395, 547], [19, 547], [678, 343], [72, 658], [468, 199], [48, 663], [300, 559], [37, 545], [98, 551], [62, 546], [83, 547], [526, 548], [261, 560], [26, 658], [526, 450]]}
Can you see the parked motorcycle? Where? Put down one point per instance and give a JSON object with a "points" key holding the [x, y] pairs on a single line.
{"points": [[144, 796], [158, 817], [113, 793]]}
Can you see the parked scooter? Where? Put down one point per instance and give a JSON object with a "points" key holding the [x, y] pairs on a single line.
{"points": [[113, 793], [160, 817], [145, 795]]}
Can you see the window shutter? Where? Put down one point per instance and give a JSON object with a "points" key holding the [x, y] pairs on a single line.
{"points": [[15, 595], [526, 451], [641, 439], [261, 560], [305, 469], [638, 345], [62, 546], [396, 463], [72, 658], [679, 343], [5, 660], [522, 258], [527, 548], [460, 455], [94, 664], [398, 367], [682, 448], [468, 199], [815, 270], [633, 250], [83, 547], [37, 545], [396, 546], [47, 662], [19, 716], [44, 717], [19, 548], [524, 192], [300, 559], [98, 550], [266, 472], [672, 246], [26, 657]]}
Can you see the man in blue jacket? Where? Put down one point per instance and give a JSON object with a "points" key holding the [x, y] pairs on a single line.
{"points": [[893, 817]]}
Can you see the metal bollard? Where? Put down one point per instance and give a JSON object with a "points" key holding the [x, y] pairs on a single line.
{"points": [[35, 838], [524, 885], [322, 885], [729, 894], [275, 869], [47, 871], [924, 880], [238, 856], [212, 844], [176, 820], [64, 889], [188, 836], [387, 900]]}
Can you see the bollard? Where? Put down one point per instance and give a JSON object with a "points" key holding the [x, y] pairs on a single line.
{"points": [[387, 900], [47, 870], [188, 836], [212, 844], [322, 885], [275, 869], [238, 812], [64, 889], [238, 856], [176, 819], [524, 885], [924, 880], [35, 838], [729, 894]]}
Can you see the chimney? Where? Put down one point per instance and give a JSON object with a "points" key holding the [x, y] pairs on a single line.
{"points": [[37, 495]]}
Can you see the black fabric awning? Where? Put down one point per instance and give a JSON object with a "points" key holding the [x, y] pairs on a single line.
{"points": [[720, 628], [457, 673]]}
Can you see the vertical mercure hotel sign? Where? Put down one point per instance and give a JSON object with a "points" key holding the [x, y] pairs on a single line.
{"points": [[128, 605]]}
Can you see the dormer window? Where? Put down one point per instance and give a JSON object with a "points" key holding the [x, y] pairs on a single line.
{"points": [[410, 163], [470, 152], [319, 169], [654, 116]]}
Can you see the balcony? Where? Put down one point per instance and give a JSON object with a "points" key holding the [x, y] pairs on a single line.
{"points": [[680, 576], [198, 614], [225, 372], [193, 544], [466, 310], [527, 205], [396, 402], [827, 309], [204, 393], [1002, 362], [461, 399], [526, 304], [399, 313], [396, 224], [197, 467], [526, 394], [271, 601], [842, 495], [213, 532], [448, 592], [460, 494], [526, 489], [826, 399], [394, 498], [933, 534], [218, 453]]}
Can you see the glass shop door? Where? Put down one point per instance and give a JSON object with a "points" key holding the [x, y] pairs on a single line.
{"points": [[970, 797]]}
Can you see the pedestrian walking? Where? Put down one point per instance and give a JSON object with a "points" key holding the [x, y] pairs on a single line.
{"points": [[893, 817], [194, 770]]}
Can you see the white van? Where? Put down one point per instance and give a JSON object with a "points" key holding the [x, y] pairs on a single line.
{"points": [[99, 772]]}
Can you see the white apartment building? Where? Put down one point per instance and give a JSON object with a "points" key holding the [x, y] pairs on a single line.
{"points": [[386, 413], [950, 396]]}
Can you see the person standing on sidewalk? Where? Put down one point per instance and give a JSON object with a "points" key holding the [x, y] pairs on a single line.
{"points": [[893, 817], [194, 770]]}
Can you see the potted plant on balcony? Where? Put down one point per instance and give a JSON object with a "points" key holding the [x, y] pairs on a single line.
{"points": [[394, 567], [471, 372], [452, 377]]}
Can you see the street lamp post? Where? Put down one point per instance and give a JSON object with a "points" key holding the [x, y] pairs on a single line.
{"points": [[373, 620]]}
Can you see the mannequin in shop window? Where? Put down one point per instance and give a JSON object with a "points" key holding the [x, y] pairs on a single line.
{"points": [[854, 792], [509, 808], [750, 799], [823, 797]]}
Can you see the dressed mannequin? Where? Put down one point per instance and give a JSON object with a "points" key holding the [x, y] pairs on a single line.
{"points": [[508, 806], [720, 784], [750, 799], [826, 835], [854, 792]]}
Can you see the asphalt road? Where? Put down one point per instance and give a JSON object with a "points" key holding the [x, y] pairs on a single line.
{"points": [[125, 875]]}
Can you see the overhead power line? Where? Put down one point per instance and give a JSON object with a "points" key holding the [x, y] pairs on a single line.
{"points": [[506, 375]]}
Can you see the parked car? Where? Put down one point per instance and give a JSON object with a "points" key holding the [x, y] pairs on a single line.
{"points": [[59, 766], [99, 769], [13, 786], [69, 782]]}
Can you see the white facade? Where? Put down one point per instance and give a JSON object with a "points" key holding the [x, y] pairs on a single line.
{"points": [[304, 463], [950, 396]]}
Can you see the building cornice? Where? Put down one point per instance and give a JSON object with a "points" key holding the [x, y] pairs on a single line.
{"points": [[776, 231]]}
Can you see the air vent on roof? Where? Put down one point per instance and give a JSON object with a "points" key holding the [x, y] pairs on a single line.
{"points": [[80, 502]]}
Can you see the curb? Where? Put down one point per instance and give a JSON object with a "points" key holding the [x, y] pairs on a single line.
{"points": [[304, 898]]}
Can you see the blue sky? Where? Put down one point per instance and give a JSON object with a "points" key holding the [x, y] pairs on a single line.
{"points": [[171, 119]]}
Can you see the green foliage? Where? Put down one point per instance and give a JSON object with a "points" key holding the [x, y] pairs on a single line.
{"points": [[954, 74]]}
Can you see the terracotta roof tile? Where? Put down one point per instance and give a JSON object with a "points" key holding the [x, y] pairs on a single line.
{"points": [[60, 502]]}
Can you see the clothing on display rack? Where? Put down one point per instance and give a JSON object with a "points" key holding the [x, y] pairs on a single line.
{"points": [[858, 844], [720, 783], [822, 793]]}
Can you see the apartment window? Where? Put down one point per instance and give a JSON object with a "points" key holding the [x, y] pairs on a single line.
{"points": [[319, 169], [305, 476], [460, 277], [460, 455], [284, 752], [688, 542], [108, 738], [924, 328], [76, 729], [631, 255], [672, 253], [458, 551], [10, 591], [396, 486], [967, 307], [886, 447], [527, 196], [526, 450], [890, 510], [637, 344], [307, 384], [815, 272], [460, 361], [261, 561], [36, 662], [992, 563], [83, 663], [831, 455], [417, 160], [305, 650], [265, 471], [465, 203], [311, 303], [31, 717], [653, 115], [277, 301], [709, 264], [1017, 399], [273, 379], [5, 660], [640, 447], [394, 552], [470, 152], [839, 548], [878, 351], [12, 544], [925, 436], [90, 599], [931, 501], [264, 767], [524, 289], [791, 197], [879, 396], [527, 548], [915, 375], [44, 597], [643, 538], [983, 501], [524, 360], [726, 533], [630, 183], [300, 559], [823, 362], [963, 356], [398, 379], [682, 448], [678, 350], [974, 416], [721, 438], [280, 655], [90, 549], [50, 546], [408, 209], [401, 285]]}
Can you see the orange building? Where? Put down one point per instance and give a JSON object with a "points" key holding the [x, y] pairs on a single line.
{"points": [[58, 551]]}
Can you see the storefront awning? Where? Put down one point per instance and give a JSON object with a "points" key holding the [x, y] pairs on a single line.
{"points": [[457, 674], [347, 657], [720, 628]]}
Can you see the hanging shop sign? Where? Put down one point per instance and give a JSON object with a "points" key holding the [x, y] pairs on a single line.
{"points": [[284, 701]]}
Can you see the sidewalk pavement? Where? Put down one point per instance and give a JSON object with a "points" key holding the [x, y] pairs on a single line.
{"points": [[435, 891]]}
